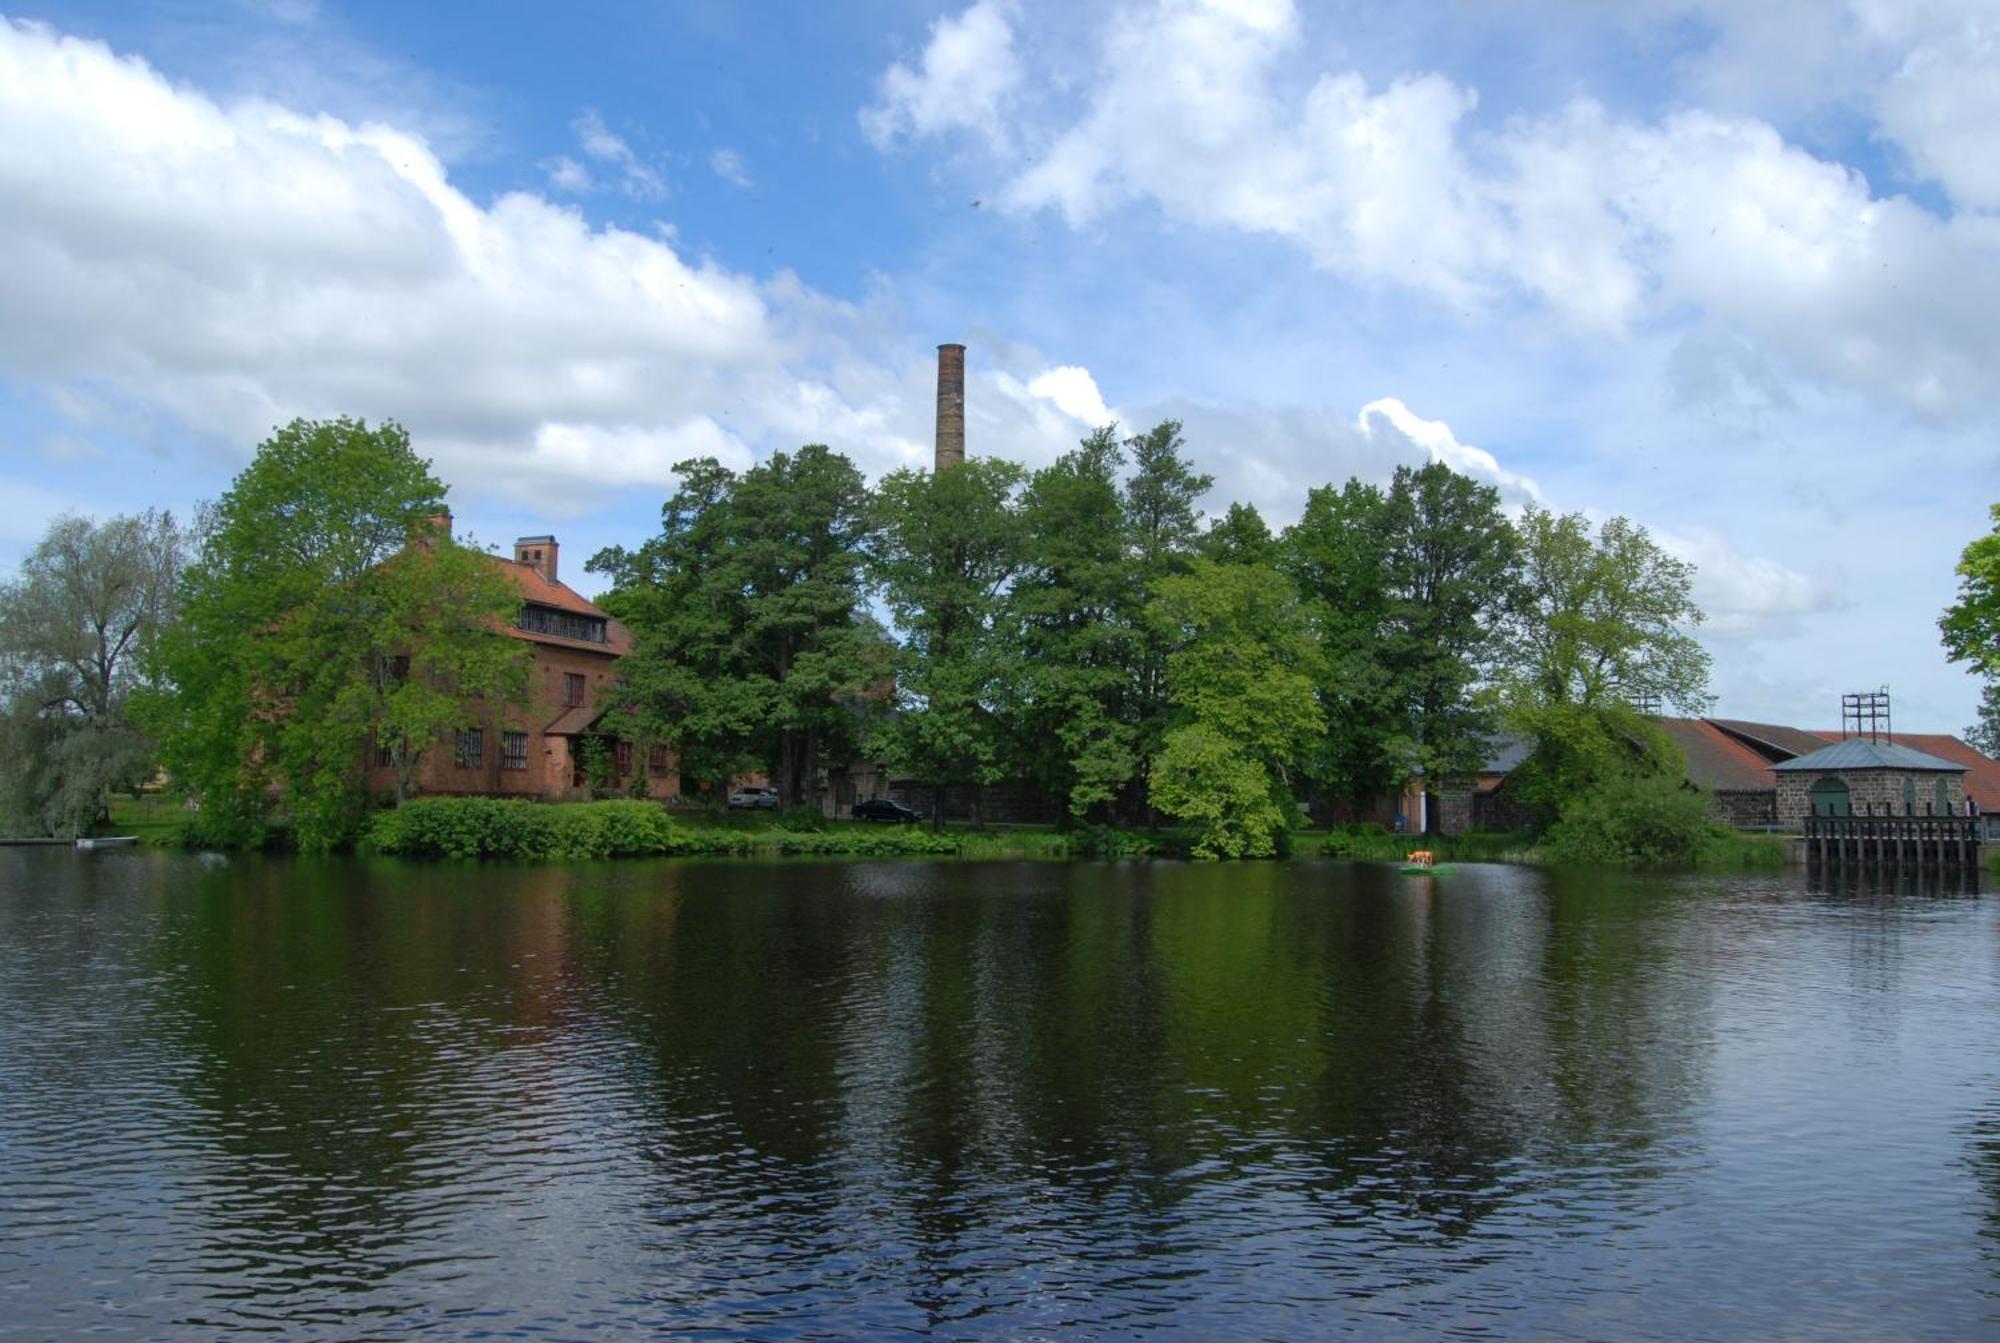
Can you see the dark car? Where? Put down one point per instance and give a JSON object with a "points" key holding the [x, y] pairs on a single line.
{"points": [[886, 809]]}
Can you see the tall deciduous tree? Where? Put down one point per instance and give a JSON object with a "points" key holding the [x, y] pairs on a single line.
{"points": [[1241, 674], [1447, 571], [1163, 536], [1600, 628], [329, 614], [1335, 555], [75, 628], [752, 647], [1071, 606], [1971, 629], [949, 543]]}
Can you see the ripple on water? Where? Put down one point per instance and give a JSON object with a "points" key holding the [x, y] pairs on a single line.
{"points": [[1002, 1101]]}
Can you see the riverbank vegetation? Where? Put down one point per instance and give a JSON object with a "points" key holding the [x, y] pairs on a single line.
{"points": [[1083, 631]]}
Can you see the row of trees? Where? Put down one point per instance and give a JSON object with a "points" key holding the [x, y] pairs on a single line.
{"points": [[1084, 628]]}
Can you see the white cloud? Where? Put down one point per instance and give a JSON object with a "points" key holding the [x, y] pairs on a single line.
{"points": [[966, 75], [567, 175], [728, 165], [1073, 391], [636, 178], [1746, 594], [1387, 417], [1606, 222]]}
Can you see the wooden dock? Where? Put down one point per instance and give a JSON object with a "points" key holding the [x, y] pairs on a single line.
{"points": [[1907, 843]]}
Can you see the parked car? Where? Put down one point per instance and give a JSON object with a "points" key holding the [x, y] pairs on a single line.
{"points": [[886, 809], [754, 799]]}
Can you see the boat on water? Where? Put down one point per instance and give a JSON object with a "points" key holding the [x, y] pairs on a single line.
{"points": [[107, 841]]}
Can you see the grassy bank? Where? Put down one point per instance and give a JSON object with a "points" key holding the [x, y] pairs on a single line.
{"points": [[520, 831]]}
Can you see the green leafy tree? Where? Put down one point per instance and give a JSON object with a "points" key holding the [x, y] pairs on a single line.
{"points": [[1241, 678], [1241, 536], [1971, 629], [1163, 536], [1601, 622], [1447, 575], [328, 614], [948, 544], [1071, 609], [75, 629], [752, 647], [1336, 556]]}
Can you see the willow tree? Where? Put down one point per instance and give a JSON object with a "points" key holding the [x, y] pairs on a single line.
{"points": [[75, 629]]}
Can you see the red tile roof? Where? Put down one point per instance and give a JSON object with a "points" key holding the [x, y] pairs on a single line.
{"points": [[549, 592], [1716, 760]]}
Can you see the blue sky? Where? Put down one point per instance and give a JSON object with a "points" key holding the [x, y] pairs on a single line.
{"points": [[1724, 269]]}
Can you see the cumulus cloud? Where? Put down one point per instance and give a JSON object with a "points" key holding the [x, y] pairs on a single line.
{"points": [[1073, 391], [962, 82], [1387, 416], [1606, 222]]}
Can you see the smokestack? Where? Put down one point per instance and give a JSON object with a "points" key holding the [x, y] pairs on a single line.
{"points": [[950, 406]]}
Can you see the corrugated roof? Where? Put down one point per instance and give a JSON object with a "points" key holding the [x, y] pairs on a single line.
{"points": [[1774, 740], [1860, 753], [1715, 759]]}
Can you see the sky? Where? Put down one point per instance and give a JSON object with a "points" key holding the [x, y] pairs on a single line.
{"points": [[1727, 270]]}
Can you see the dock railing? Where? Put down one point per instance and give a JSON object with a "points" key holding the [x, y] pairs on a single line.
{"points": [[1909, 841]]}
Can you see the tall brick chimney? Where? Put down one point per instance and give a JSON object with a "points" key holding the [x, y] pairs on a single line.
{"points": [[538, 553], [950, 406]]}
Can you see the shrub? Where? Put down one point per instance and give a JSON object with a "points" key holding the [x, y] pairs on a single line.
{"points": [[802, 820], [1649, 821]]}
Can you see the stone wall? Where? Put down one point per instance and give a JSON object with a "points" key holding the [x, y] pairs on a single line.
{"points": [[1746, 807], [1876, 791]]}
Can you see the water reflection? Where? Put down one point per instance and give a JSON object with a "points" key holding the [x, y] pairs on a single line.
{"points": [[994, 1100]]}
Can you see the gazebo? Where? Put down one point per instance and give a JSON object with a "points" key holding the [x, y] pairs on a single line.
{"points": [[1865, 777]]}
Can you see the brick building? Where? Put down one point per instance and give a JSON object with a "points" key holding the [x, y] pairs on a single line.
{"points": [[538, 751], [1863, 777]]}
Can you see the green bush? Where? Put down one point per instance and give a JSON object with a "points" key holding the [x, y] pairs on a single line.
{"points": [[802, 820], [1648, 821]]}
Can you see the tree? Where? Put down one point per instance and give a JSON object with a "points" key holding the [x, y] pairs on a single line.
{"points": [[1071, 612], [1598, 628], [75, 629], [1162, 538], [948, 544], [1447, 570], [1241, 536], [1241, 678], [1971, 629], [328, 615], [1336, 556], [751, 643]]}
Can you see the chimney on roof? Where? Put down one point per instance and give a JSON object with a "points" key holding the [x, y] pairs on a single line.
{"points": [[950, 406], [538, 553]]}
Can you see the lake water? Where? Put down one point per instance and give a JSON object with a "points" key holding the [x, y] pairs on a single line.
{"points": [[352, 1100]]}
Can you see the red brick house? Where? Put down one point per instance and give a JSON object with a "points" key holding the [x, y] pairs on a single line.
{"points": [[538, 752]]}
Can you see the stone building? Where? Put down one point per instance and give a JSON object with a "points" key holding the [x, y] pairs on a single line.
{"points": [[1865, 777], [539, 751]]}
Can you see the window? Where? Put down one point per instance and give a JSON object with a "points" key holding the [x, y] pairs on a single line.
{"points": [[562, 624], [469, 747], [391, 671], [1829, 797], [573, 689], [656, 760], [513, 750], [1943, 797], [385, 754], [623, 756], [1909, 795]]}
